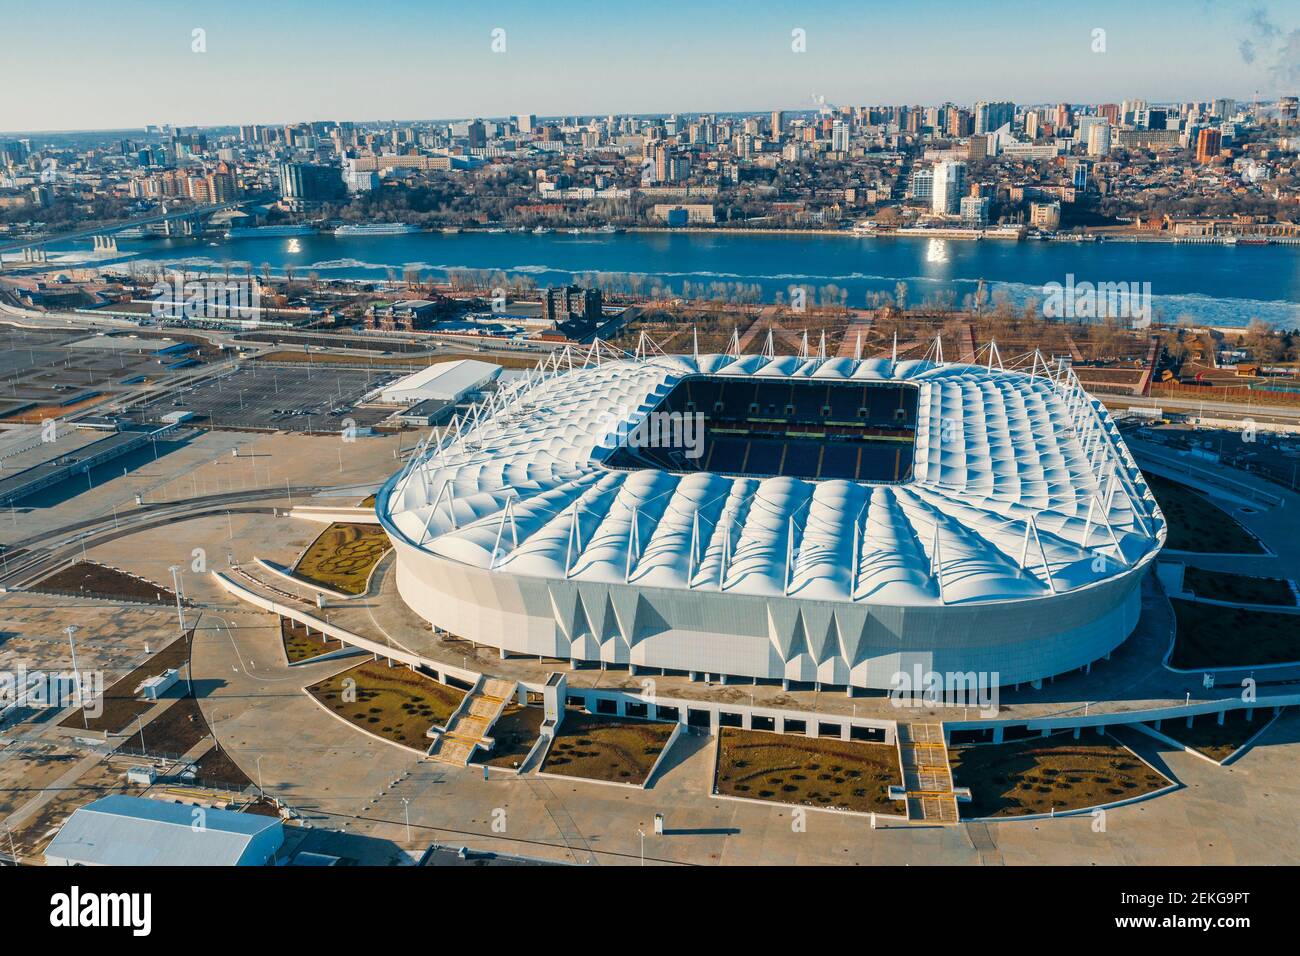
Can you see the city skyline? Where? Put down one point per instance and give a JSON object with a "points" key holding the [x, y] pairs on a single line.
{"points": [[339, 62]]}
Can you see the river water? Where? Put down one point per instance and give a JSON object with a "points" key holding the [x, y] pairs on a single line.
{"points": [[1218, 285]]}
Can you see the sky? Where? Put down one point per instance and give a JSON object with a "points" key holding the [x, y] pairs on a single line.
{"points": [[121, 65]]}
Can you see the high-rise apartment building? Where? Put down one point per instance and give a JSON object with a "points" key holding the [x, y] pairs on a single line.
{"points": [[949, 183], [1208, 141], [1031, 125], [840, 136], [960, 122], [1224, 108], [304, 184], [1099, 139], [921, 183], [975, 211], [993, 116]]}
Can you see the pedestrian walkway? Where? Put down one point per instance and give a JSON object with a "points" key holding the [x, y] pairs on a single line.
{"points": [[470, 728], [927, 777]]}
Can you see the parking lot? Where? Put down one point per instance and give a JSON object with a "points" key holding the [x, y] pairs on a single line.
{"points": [[47, 372], [1269, 454], [307, 399]]}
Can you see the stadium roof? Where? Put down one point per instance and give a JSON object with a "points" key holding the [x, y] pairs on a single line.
{"points": [[1022, 488], [121, 830]]}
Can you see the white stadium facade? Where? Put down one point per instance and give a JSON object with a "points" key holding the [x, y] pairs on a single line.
{"points": [[841, 521]]}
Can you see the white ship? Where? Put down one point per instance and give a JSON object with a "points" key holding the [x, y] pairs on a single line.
{"points": [[376, 229]]}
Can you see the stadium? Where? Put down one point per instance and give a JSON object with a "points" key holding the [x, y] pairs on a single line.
{"points": [[804, 519]]}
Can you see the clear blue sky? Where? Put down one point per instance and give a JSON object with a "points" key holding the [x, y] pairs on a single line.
{"points": [[82, 65]]}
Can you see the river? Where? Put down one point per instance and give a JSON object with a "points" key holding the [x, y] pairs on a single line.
{"points": [[1216, 285]]}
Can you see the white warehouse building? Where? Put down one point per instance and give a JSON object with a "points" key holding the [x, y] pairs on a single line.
{"points": [[444, 381], [840, 521]]}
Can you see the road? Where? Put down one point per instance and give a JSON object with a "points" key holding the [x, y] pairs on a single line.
{"points": [[42, 553], [1234, 411]]}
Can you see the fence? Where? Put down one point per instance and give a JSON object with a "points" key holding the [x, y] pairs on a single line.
{"points": [[1224, 393]]}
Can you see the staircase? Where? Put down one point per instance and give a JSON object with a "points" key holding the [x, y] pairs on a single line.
{"points": [[472, 722], [926, 775]]}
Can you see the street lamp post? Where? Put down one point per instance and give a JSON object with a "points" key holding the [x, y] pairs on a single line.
{"points": [[641, 833], [406, 808], [76, 671], [260, 788], [176, 588]]}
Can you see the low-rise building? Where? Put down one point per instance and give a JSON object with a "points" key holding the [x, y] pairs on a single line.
{"points": [[445, 381], [1045, 216], [121, 830]]}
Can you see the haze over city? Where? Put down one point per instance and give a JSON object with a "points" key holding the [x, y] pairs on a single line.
{"points": [[284, 62]]}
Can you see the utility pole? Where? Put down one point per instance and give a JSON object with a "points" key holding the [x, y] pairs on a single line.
{"points": [[76, 672], [176, 587]]}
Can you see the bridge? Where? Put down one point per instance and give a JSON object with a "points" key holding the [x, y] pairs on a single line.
{"points": [[190, 215]]}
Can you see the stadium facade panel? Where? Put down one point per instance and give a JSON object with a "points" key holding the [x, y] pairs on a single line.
{"points": [[1011, 545]]}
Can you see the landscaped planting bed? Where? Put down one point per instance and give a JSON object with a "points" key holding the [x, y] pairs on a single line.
{"points": [[1216, 742], [1196, 523], [1241, 588], [301, 646], [1212, 636], [617, 749], [514, 734], [343, 557], [816, 772], [394, 702], [1043, 774]]}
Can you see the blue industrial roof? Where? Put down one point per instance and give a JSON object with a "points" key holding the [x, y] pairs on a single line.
{"points": [[121, 830]]}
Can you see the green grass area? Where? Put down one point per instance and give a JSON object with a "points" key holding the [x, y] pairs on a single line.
{"points": [[1197, 524], [1213, 636], [301, 646], [619, 749], [343, 556], [817, 772], [1218, 742], [393, 702], [514, 734], [1242, 588], [1042, 774]]}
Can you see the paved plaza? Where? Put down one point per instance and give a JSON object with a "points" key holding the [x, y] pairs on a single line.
{"points": [[360, 790]]}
